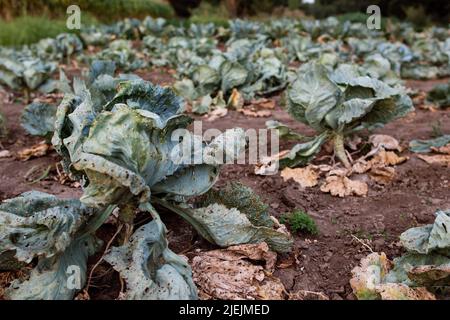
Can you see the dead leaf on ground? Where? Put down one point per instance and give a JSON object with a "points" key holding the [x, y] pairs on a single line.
{"points": [[342, 186], [367, 281], [342, 172], [361, 166], [441, 159], [382, 175], [378, 168], [83, 295], [307, 295], [384, 141], [399, 291], [216, 114], [235, 273], [353, 143], [5, 154], [428, 107], [269, 165], [264, 103], [322, 167], [430, 275], [36, 151], [387, 158], [419, 98], [444, 149], [256, 114], [306, 177]]}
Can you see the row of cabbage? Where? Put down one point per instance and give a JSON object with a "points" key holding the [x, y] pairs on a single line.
{"points": [[247, 55]]}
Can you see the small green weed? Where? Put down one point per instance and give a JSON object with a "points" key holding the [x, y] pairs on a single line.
{"points": [[300, 221]]}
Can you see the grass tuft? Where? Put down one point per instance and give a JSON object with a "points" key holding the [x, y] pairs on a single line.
{"points": [[300, 221]]}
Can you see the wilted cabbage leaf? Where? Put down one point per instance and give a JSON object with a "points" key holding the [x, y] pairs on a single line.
{"points": [[230, 227], [59, 277], [423, 269], [243, 198], [58, 232], [151, 270], [234, 216], [429, 238], [283, 131]]}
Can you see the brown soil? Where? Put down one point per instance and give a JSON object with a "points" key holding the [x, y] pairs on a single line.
{"points": [[318, 263]]}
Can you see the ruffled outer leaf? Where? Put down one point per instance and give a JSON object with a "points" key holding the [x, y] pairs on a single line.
{"points": [[243, 198], [302, 153], [228, 226], [414, 269], [151, 270], [59, 233], [59, 277], [38, 224], [312, 96], [429, 238]]}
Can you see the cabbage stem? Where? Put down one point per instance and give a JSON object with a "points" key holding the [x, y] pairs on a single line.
{"points": [[339, 151]]}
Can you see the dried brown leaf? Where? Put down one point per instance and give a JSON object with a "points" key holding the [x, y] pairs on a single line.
{"points": [[38, 150], [399, 291], [216, 114], [264, 103], [269, 165], [306, 177], [382, 175], [256, 114], [441, 159], [342, 186], [361, 166], [387, 158], [5, 154], [235, 274], [384, 141], [444, 149], [307, 295]]}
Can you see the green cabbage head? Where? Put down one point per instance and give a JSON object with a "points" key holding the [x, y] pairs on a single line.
{"points": [[337, 103]]}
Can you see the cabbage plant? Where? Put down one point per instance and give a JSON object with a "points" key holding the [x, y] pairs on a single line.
{"points": [[125, 141], [38, 119], [336, 104], [24, 72], [423, 269]]}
